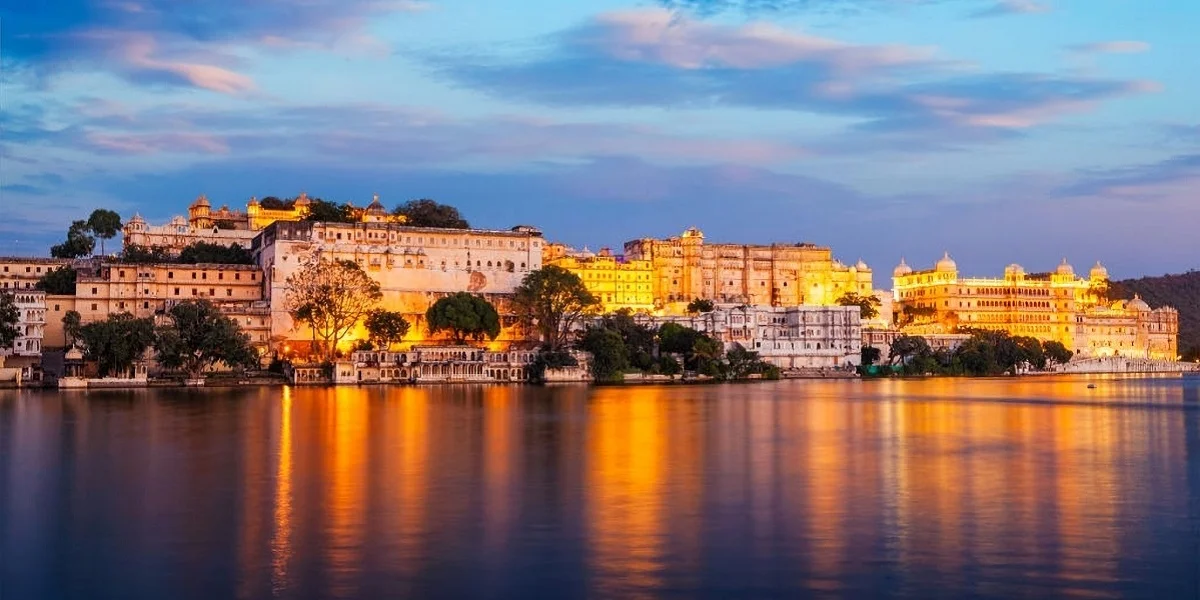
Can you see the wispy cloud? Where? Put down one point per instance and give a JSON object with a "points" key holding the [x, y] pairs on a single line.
{"points": [[1114, 47], [1003, 8]]}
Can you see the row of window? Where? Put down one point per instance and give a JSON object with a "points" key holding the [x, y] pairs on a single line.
{"points": [[392, 237]]}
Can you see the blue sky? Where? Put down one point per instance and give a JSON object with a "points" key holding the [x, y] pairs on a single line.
{"points": [[1000, 130]]}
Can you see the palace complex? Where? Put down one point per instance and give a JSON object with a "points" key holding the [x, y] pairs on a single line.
{"points": [[616, 282], [1053, 306]]}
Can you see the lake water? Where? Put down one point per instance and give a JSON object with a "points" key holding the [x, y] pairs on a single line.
{"points": [[1002, 488]]}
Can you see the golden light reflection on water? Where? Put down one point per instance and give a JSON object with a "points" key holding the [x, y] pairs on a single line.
{"points": [[281, 539]]}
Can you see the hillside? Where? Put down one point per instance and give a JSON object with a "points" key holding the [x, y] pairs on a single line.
{"points": [[1180, 291]]}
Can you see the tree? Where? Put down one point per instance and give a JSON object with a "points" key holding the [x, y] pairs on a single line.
{"points": [[331, 297], [907, 346], [105, 224], [274, 203], [79, 242], [705, 356], [330, 212], [667, 365], [199, 336], [1057, 353], [465, 316], [116, 342], [552, 299], [60, 281], [71, 324], [609, 354], [699, 305], [676, 339], [427, 213], [1032, 351], [870, 355], [9, 315], [741, 363], [135, 253], [386, 327], [205, 252], [868, 304], [638, 339], [1191, 354]]}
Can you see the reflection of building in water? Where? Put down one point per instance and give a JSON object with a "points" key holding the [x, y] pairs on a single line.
{"points": [[281, 539], [345, 522], [1054, 306]]}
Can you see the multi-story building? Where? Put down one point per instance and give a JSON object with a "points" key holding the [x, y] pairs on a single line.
{"points": [[147, 290], [57, 307], [685, 268], [227, 227], [791, 337], [616, 282], [415, 266], [1052, 306], [23, 272], [25, 352]]}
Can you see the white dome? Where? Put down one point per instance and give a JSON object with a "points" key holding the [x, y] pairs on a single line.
{"points": [[861, 266], [1138, 304], [1065, 268], [901, 269], [1099, 272], [946, 263], [1014, 269]]}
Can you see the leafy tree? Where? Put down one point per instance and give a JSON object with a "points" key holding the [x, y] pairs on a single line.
{"points": [[116, 342], [699, 305], [667, 365], [464, 315], [916, 314], [552, 299], [79, 242], [135, 253], [639, 339], [225, 224], [274, 203], [706, 355], [331, 297], [676, 338], [609, 354], [741, 363], [199, 336], [1032, 351], [330, 212], [72, 322], [1191, 354], [427, 213], [1057, 353], [907, 346], [868, 304], [105, 224], [60, 281], [870, 355], [205, 252], [9, 315], [386, 327]]}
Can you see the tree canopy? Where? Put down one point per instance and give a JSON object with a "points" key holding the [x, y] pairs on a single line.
{"points": [[552, 299], [105, 224], [116, 342], [79, 242], [331, 297], [205, 252], [72, 322], [9, 315], [868, 304], [464, 316], [60, 281], [700, 305], [330, 212], [274, 203], [386, 327], [136, 253], [199, 336], [428, 213]]}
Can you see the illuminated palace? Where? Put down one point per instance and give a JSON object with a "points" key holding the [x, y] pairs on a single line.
{"points": [[227, 227], [683, 268], [1054, 306], [616, 282]]}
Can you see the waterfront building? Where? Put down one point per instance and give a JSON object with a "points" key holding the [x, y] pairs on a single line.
{"points": [[618, 283], [415, 266], [25, 353], [441, 364], [149, 290], [1052, 306], [686, 268], [23, 272], [791, 337], [227, 227]]}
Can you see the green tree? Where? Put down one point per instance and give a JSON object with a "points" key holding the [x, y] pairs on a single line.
{"points": [[116, 342], [386, 327], [60, 281], [869, 304], [274, 203], [741, 363], [9, 315], [79, 242], [870, 355], [706, 355], [464, 316], [676, 338], [907, 346], [639, 339], [72, 322], [331, 297], [330, 212], [225, 224], [199, 336], [1057, 353], [135, 253], [552, 300], [104, 224], [205, 252], [427, 213], [1032, 351], [609, 355], [667, 365], [699, 305]]}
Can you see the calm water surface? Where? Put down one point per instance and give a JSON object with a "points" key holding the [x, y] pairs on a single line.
{"points": [[891, 489]]}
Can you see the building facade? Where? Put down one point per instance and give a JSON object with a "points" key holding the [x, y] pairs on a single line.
{"points": [[23, 272], [618, 283], [686, 268], [440, 364], [1051, 306], [25, 353], [415, 266]]}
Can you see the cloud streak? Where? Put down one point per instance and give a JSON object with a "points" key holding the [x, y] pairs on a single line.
{"points": [[1114, 47], [1004, 8]]}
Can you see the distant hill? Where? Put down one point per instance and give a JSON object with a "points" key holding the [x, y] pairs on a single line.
{"points": [[1180, 291]]}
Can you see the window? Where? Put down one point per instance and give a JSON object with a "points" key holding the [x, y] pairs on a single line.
{"points": [[120, 273], [176, 291], [212, 292], [27, 269], [237, 276], [228, 291], [204, 275], [56, 308], [253, 276], [145, 305], [93, 291], [93, 306], [121, 305], [221, 275], [193, 274], [170, 274], [193, 291]]}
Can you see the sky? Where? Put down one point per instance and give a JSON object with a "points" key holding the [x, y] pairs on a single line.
{"points": [[998, 130]]}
